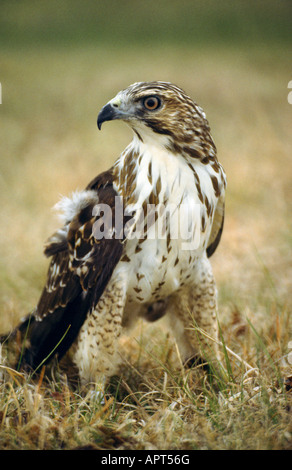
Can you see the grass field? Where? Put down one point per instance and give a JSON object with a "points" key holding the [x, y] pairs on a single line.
{"points": [[57, 71]]}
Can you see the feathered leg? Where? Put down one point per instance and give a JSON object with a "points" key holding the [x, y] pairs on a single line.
{"points": [[96, 354], [193, 317]]}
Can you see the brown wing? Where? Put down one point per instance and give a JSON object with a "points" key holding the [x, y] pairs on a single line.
{"points": [[79, 271], [217, 227], [80, 261]]}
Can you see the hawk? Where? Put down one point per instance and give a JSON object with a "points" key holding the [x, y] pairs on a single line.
{"points": [[108, 263]]}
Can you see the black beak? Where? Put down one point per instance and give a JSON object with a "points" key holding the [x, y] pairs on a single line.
{"points": [[108, 113]]}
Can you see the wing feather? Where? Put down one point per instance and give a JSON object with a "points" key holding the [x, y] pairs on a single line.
{"points": [[217, 227], [79, 270]]}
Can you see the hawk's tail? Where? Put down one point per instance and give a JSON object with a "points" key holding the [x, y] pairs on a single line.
{"points": [[21, 330], [34, 342], [54, 334], [13, 342]]}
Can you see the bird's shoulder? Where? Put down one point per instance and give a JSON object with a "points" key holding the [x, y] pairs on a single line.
{"points": [[80, 259]]}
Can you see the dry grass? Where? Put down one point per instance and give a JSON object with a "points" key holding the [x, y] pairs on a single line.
{"points": [[50, 146]]}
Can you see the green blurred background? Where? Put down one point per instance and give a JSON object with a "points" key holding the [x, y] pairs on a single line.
{"points": [[61, 61], [148, 22]]}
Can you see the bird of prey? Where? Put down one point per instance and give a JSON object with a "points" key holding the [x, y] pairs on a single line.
{"points": [[137, 241]]}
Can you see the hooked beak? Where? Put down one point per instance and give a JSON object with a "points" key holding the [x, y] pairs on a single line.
{"points": [[108, 113]]}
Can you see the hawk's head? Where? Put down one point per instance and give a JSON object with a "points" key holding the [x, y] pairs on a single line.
{"points": [[165, 109]]}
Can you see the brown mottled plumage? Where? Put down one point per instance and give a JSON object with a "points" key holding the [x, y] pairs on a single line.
{"points": [[97, 286]]}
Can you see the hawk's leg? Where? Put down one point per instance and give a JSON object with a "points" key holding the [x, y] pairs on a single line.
{"points": [[193, 318], [96, 354]]}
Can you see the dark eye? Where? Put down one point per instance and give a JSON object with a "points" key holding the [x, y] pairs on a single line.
{"points": [[151, 103]]}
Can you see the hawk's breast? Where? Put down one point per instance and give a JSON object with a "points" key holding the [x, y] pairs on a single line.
{"points": [[170, 228]]}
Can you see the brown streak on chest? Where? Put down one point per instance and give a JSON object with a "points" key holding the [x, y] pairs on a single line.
{"points": [[215, 186]]}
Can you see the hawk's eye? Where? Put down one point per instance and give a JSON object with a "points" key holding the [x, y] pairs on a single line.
{"points": [[151, 103]]}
